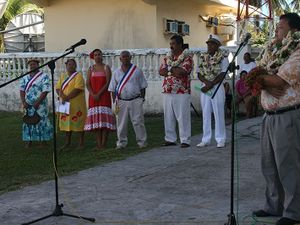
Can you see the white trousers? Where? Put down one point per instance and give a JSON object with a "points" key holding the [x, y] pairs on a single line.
{"points": [[217, 106], [134, 110], [177, 108]]}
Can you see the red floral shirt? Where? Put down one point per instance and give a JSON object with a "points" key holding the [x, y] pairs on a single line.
{"points": [[176, 85]]}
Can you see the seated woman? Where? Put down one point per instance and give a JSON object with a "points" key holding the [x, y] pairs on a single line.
{"points": [[228, 100], [243, 95], [248, 64], [70, 88]]}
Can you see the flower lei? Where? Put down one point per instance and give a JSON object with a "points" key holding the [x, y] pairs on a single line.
{"points": [[171, 63], [270, 59], [210, 65], [253, 79], [274, 55]]}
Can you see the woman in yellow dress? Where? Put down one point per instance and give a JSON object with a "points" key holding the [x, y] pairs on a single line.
{"points": [[71, 88]]}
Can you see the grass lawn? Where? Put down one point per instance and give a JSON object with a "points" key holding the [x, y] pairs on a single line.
{"points": [[21, 167]]}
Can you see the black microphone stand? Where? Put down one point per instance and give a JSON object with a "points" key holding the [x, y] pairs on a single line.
{"points": [[232, 68], [58, 207]]}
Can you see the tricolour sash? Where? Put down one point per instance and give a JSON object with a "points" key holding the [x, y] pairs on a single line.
{"points": [[32, 80], [124, 80], [68, 80]]}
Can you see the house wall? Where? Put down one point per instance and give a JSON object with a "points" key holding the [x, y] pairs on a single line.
{"points": [[182, 10], [189, 11], [124, 24], [105, 24]]}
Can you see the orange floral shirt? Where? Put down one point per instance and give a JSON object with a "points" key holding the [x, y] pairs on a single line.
{"points": [[290, 72]]}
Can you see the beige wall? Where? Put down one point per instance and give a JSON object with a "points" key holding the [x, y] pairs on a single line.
{"points": [[188, 11], [181, 10], [106, 24], [121, 24]]}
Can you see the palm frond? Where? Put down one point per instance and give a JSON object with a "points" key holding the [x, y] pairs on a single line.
{"points": [[295, 5], [17, 7]]}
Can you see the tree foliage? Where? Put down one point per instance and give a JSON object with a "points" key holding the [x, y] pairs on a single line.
{"points": [[13, 9], [261, 36]]}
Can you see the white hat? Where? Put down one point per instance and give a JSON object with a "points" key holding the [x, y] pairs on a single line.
{"points": [[214, 38]]}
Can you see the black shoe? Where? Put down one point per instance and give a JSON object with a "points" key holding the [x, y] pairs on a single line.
{"points": [[287, 221], [168, 143], [184, 145], [261, 213]]}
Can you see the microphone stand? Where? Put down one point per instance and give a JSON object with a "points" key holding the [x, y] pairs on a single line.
{"points": [[58, 207], [232, 68]]}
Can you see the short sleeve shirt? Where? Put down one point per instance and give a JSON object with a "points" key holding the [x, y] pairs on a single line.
{"points": [[133, 87], [178, 85], [290, 72]]}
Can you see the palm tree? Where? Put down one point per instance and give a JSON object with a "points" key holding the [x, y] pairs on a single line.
{"points": [[14, 8], [279, 6], [294, 6], [263, 32]]}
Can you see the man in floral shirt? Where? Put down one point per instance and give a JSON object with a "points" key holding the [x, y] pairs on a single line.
{"points": [[280, 141], [176, 68], [213, 65]]}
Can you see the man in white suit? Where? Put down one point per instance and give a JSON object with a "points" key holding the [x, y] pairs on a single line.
{"points": [[213, 65]]}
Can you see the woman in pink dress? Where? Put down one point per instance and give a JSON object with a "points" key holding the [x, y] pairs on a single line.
{"points": [[244, 95], [100, 118]]}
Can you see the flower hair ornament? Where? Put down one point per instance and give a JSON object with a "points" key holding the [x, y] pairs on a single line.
{"points": [[92, 55]]}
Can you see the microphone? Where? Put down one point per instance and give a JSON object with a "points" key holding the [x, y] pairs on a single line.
{"points": [[246, 38], [81, 42]]}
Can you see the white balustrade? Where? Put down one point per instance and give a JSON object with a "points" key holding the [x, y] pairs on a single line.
{"points": [[15, 64]]}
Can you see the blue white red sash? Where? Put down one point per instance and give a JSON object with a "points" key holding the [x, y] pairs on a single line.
{"points": [[32, 80], [124, 80], [68, 80]]}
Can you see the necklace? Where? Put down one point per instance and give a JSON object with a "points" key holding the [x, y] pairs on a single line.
{"points": [[210, 66], [171, 63], [276, 54]]}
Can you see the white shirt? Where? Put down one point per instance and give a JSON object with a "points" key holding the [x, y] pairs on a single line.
{"points": [[133, 87], [247, 67]]}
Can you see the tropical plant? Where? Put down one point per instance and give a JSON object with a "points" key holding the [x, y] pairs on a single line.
{"points": [[294, 6], [261, 37], [279, 6], [14, 8], [260, 30]]}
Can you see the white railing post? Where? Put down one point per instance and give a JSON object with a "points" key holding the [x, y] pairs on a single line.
{"points": [[148, 60]]}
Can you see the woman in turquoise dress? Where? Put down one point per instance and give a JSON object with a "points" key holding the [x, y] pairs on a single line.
{"points": [[33, 92]]}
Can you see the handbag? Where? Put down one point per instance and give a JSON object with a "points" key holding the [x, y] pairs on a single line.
{"points": [[31, 119]]}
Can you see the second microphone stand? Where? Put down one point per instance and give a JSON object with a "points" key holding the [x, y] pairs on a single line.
{"points": [[232, 68]]}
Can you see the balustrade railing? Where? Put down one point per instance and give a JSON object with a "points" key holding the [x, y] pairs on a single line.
{"points": [[14, 64]]}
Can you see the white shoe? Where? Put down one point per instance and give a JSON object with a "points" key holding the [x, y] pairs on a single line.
{"points": [[119, 147], [143, 146], [220, 145], [202, 144]]}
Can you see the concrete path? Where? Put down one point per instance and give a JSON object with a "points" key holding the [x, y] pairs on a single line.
{"points": [[167, 185]]}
